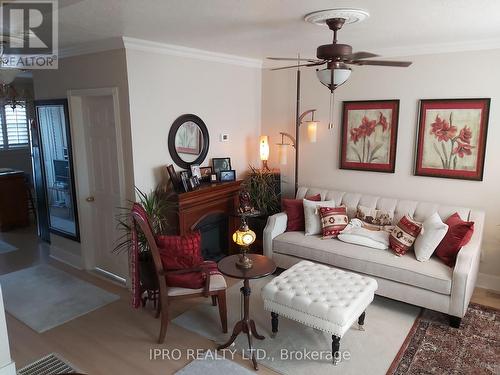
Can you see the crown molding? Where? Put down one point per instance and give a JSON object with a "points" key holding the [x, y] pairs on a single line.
{"points": [[181, 51], [439, 48], [175, 50], [91, 47]]}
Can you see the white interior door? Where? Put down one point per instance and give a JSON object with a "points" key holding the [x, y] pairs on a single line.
{"points": [[100, 179]]}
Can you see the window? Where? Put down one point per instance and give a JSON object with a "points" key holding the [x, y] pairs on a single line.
{"points": [[14, 126]]}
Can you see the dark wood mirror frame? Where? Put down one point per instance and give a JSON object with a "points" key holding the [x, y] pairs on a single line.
{"points": [[171, 140], [43, 181]]}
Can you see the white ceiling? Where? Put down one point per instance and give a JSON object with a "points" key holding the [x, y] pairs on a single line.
{"points": [[259, 28]]}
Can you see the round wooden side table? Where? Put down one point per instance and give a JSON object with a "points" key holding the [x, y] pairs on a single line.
{"points": [[262, 266]]}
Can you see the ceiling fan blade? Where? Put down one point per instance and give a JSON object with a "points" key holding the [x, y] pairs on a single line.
{"points": [[359, 55], [402, 64], [291, 59], [295, 66]]}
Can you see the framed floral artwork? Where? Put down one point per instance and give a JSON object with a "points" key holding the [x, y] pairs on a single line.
{"points": [[369, 135], [452, 138]]}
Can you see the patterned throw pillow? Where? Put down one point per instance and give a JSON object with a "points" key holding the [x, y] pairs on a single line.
{"points": [[373, 217], [404, 234], [333, 220]]}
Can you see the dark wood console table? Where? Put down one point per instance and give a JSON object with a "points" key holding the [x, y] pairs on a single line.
{"points": [[13, 199]]}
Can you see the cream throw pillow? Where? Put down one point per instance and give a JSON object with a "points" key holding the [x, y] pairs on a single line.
{"points": [[312, 218], [429, 238]]}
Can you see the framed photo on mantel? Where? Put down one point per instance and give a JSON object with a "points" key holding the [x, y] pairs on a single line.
{"points": [[369, 135], [452, 138]]}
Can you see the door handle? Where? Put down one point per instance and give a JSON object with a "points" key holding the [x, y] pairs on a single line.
{"points": [[90, 199]]}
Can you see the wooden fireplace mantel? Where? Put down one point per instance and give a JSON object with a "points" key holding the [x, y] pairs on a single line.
{"points": [[208, 199]]}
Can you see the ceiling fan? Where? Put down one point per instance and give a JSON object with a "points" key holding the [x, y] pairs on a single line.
{"points": [[337, 57]]}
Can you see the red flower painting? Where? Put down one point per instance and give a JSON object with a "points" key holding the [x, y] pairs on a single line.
{"points": [[367, 150], [369, 135], [453, 146], [452, 137]]}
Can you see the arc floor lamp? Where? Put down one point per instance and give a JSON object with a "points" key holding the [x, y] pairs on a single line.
{"points": [[312, 127]]}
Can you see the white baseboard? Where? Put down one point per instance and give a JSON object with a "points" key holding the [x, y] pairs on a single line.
{"points": [[490, 282], [66, 257], [9, 369]]}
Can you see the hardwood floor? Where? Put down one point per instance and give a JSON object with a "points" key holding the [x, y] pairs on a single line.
{"points": [[114, 339]]}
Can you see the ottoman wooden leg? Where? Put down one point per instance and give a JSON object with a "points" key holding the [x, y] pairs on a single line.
{"points": [[335, 349], [361, 321], [274, 324]]}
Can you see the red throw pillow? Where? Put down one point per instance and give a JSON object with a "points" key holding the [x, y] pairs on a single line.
{"points": [[404, 235], [181, 252], [333, 220], [294, 209], [458, 235]]}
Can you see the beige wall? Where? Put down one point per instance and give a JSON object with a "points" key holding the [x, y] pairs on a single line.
{"points": [[226, 97], [433, 76], [98, 70]]}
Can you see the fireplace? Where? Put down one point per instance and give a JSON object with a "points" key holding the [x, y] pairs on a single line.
{"points": [[210, 209], [214, 236]]}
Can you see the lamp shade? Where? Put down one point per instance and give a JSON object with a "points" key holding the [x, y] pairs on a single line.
{"points": [[244, 236], [312, 130], [264, 147], [7, 75], [282, 150], [341, 74]]}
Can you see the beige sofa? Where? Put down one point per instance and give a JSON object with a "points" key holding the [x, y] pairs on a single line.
{"points": [[430, 284]]}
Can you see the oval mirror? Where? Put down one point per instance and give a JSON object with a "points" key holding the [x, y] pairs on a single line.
{"points": [[188, 141]]}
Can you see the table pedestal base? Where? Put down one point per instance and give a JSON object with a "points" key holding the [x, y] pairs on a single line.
{"points": [[245, 325]]}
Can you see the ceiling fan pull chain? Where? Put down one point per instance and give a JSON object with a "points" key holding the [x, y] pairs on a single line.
{"points": [[331, 124]]}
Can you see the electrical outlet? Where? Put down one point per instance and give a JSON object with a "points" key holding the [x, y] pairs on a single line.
{"points": [[224, 137]]}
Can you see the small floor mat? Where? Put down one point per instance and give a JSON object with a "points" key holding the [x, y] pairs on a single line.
{"points": [[6, 247]]}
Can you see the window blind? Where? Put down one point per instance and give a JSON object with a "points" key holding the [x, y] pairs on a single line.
{"points": [[16, 124]]}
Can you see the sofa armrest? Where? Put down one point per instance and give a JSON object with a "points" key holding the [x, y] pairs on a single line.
{"points": [[467, 268], [276, 224]]}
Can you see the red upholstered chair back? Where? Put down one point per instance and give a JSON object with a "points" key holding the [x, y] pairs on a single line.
{"points": [[141, 220]]}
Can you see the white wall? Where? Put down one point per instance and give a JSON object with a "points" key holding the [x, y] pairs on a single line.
{"points": [[162, 87], [433, 76]]}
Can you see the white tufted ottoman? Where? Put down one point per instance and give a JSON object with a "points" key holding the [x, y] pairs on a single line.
{"points": [[320, 297]]}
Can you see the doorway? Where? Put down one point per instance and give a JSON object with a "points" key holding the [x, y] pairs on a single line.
{"points": [[96, 129]]}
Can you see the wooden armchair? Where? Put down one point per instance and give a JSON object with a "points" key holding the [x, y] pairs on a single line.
{"points": [[215, 285]]}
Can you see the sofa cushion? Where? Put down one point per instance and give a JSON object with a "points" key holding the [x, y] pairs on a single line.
{"points": [[311, 215], [294, 209], [458, 235], [333, 221], [429, 238], [404, 235], [432, 275]]}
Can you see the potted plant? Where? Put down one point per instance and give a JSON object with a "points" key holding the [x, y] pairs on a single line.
{"points": [[265, 191], [157, 206]]}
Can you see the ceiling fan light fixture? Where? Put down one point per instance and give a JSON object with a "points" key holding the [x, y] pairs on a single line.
{"points": [[334, 76], [7, 75]]}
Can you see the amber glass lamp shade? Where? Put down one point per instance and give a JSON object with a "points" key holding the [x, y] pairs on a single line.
{"points": [[244, 237]]}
